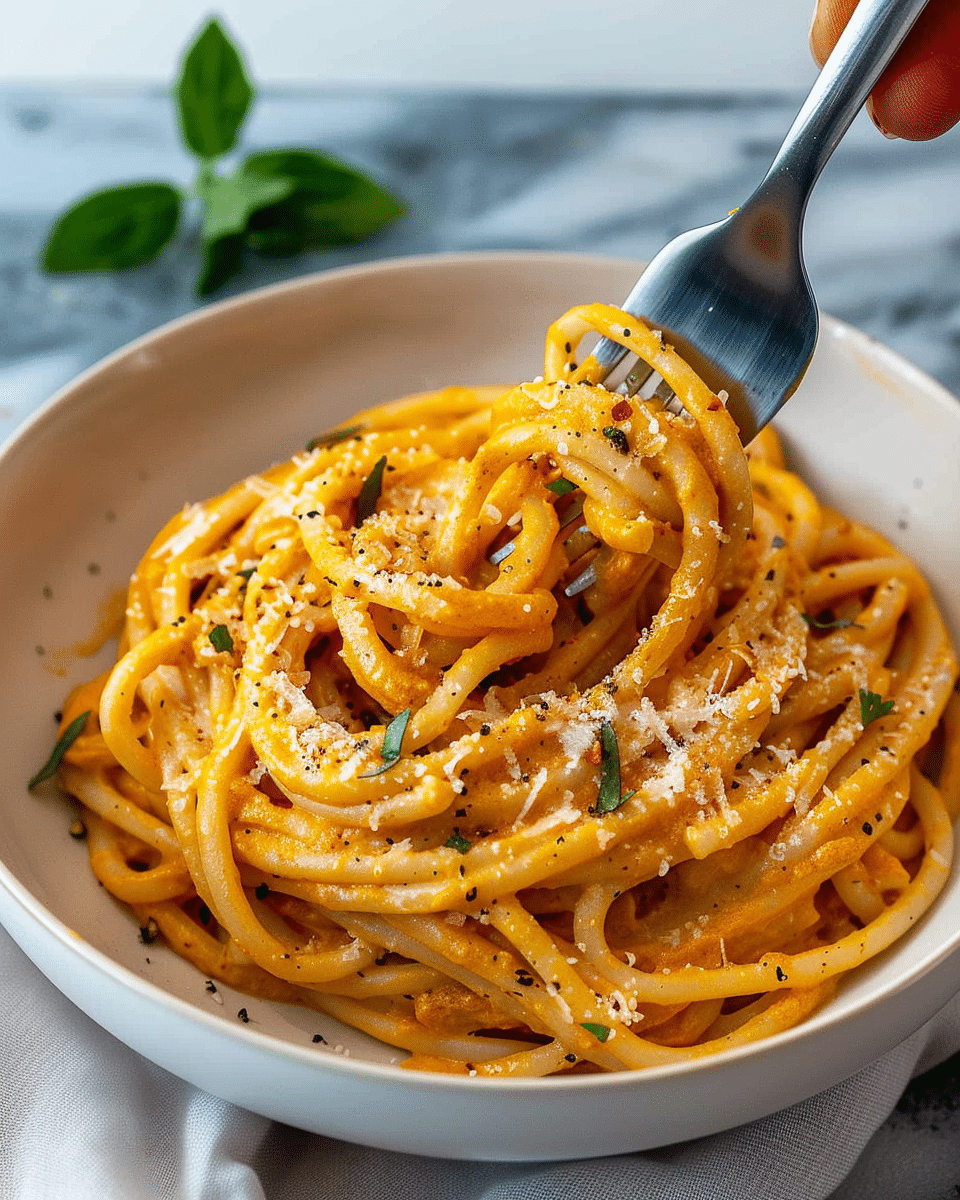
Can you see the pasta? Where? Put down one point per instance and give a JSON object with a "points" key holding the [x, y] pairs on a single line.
{"points": [[529, 731]]}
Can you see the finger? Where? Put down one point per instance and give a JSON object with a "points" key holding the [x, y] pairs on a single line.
{"points": [[918, 95]]}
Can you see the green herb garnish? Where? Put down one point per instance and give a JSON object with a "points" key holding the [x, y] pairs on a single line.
{"points": [[456, 841], [247, 572], [334, 436], [827, 620], [275, 201], [561, 486], [609, 798], [618, 437], [370, 491], [220, 638], [872, 707], [600, 1032], [63, 744], [392, 741]]}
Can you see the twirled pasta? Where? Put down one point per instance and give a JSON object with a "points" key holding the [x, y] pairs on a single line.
{"points": [[494, 895]]}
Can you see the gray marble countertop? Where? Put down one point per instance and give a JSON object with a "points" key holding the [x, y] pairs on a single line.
{"points": [[600, 175]]}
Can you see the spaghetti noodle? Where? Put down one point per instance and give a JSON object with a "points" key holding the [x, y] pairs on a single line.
{"points": [[528, 732]]}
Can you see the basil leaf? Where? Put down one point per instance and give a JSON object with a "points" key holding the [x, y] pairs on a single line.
{"points": [[609, 798], [872, 707], [600, 1032], [561, 486], [230, 200], [213, 93], [456, 841], [330, 205], [114, 229], [220, 638], [392, 741], [63, 744], [370, 491], [222, 259]]}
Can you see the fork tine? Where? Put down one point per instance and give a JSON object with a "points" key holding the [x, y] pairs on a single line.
{"points": [[584, 580], [637, 376]]}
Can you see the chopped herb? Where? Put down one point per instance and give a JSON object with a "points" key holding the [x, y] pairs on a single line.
{"points": [[64, 742], [334, 436], [457, 841], [618, 437], [220, 638], [392, 741], [247, 572], [261, 891], [827, 620], [370, 492], [609, 797], [600, 1032], [561, 486], [872, 707]]}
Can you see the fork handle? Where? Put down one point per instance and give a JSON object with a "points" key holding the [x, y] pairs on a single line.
{"points": [[872, 36]]}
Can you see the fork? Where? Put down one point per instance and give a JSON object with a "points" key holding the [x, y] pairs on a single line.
{"points": [[734, 297]]}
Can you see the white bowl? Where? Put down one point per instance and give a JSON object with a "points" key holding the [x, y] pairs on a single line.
{"points": [[185, 411]]}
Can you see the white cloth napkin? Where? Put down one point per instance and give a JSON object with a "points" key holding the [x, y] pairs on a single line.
{"points": [[84, 1118]]}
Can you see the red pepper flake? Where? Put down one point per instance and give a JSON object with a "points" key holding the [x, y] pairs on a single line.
{"points": [[280, 801], [622, 410]]}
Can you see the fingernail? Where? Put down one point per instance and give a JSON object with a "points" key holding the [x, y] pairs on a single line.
{"points": [[872, 113]]}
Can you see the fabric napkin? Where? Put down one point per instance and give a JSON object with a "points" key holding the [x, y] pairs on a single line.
{"points": [[84, 1118]]}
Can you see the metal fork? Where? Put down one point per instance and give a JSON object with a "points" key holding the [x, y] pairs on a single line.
{"points": [[734, 297]]}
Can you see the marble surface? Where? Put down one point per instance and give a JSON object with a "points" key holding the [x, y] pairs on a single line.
{"points": [[592, 174]]}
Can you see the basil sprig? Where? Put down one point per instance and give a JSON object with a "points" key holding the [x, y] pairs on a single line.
{"points": [[279, 201]]}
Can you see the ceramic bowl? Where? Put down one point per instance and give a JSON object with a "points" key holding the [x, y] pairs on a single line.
{"points": [[185, 411]]}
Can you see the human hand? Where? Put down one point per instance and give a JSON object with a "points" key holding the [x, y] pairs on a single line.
{"points": [[918, 95]]}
